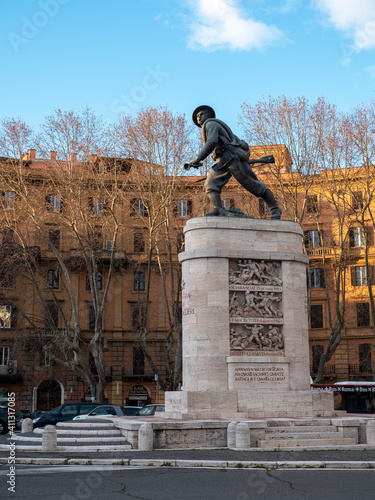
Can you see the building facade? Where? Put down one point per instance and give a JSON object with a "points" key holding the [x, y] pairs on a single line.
{"points": [[92, 246]]}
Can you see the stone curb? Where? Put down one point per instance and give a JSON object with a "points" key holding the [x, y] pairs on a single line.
{"points": [[232, 464], [84, 448]]}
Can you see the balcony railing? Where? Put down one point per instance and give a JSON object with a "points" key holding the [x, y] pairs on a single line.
{"points": [[366, 369], [9, 372], [127, 371], [328, 371], [319, 252]]}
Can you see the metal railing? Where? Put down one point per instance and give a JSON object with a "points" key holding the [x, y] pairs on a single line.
{"points": [[329, 370], [367, 368]]}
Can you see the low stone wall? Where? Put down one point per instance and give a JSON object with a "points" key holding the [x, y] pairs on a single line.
{"points": [[189, 434]]}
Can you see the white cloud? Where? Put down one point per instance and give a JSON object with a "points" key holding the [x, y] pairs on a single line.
{"points": [[221, 24], [356, 18]]}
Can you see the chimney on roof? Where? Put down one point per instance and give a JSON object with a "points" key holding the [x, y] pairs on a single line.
{"points": [[73, 157], [31, 154], [53, 155]]}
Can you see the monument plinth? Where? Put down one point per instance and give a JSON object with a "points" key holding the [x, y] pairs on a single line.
{"points": [[245, 327]]}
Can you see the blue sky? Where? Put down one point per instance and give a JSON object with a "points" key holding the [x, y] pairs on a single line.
{"points": [[118, 55]]}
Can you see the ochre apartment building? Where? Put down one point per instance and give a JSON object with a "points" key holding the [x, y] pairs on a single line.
{"points": [[334, 210]]}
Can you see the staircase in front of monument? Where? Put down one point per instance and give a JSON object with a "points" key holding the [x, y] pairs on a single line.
{"points": [[287, 433], [77, 436]]}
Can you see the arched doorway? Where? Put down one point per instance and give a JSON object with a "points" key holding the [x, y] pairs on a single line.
{"points": [[48, 395], [138, 395]]}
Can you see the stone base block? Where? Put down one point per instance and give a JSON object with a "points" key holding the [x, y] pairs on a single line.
{"points": [[199, 404], [248, 404]]}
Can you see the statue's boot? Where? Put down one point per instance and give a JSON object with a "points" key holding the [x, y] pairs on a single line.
{"points": [[215, 212], [269, 199], [215, 199]]}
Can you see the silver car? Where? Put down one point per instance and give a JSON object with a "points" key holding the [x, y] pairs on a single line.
{"points": [[103, 411]]}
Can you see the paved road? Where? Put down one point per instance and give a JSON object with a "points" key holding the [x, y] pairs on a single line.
{"points": [[79, 483]]}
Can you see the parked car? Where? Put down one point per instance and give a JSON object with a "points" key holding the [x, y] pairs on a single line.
{"points": [[37, 413], [4, 419], [151, 410], [103, 411], [131, 410], [63, 413]]}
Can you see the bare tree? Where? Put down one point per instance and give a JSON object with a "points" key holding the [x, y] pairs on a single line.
{"points": [[298, 125], [59, 214], [160, 142], [360, 131]]}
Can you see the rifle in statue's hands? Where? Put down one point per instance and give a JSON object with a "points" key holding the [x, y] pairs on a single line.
{"points": [[263, 159], [188, 166]]}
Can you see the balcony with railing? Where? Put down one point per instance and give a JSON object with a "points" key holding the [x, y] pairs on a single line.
{"points": [[129, 372], [319, 252], [362, 369], [9, 372], [329, 371]]}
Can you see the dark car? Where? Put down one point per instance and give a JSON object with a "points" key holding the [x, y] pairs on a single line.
{"points": [[63, 413], [37, 413], [151, 410], [4, 419], [131, 410]]}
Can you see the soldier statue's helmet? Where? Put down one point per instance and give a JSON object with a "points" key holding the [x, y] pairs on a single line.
{"points": [[200, 108]]}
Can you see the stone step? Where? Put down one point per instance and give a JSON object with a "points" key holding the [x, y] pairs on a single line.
{"points": [[290, 443], [303, 422], [113, 439], [85, 423], [80, 449], [301, 435], [83, 432], [300, 428]]}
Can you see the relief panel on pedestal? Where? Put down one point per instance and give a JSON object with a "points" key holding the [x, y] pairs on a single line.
{"points": [[255, 307]]}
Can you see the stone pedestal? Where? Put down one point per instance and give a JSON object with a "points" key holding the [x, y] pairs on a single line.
{"points": [[245, 330]]}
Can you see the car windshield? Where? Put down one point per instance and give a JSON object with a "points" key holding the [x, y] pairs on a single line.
{"points": [[147, 410], [86, 408], [55, 411]]}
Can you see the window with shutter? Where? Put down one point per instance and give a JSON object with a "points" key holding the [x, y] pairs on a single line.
{"points": [[139, 284], [370, 236], [137, 208], [184, 208], [54, 237], [312, 204], [357, 200], [356, 237], [53, 278], [358, 276], [363, 314], [317, 278], [139, 242], [316, 316]]}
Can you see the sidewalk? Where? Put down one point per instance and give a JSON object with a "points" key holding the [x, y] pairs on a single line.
{"points": [[359, 457]]}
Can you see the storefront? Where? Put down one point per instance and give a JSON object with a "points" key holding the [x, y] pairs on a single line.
{"points": [[138, 395]]}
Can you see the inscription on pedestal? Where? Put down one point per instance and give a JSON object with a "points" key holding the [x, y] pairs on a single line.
{"points": [[260, 374]]}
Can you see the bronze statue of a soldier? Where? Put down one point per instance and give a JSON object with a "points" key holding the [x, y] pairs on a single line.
{"points": [[232, 157]]}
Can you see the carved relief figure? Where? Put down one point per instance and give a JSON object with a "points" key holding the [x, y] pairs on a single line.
{"points": [[254, 336], [258, 296], [257, 338], [255, 273]]}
